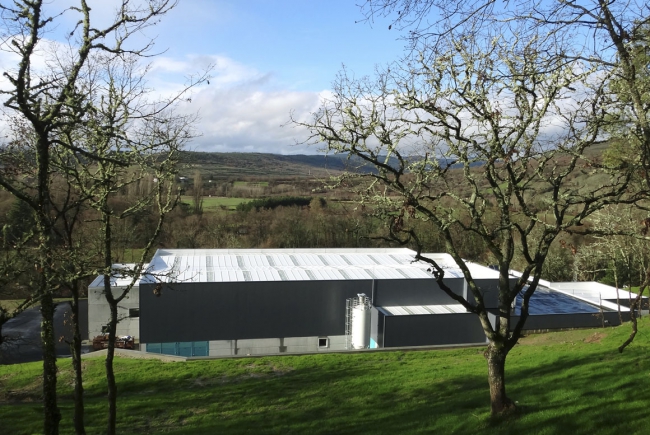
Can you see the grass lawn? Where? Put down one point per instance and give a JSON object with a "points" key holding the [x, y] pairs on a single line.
{"points": [[131, 255], [10, 304], [572, 382]]}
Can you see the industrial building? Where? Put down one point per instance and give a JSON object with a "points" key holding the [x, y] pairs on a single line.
{"points": [[253, 302]]}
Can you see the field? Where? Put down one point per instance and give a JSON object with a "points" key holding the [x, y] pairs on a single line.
{"points": [[568, 382], [250, 183], [217, 203]]}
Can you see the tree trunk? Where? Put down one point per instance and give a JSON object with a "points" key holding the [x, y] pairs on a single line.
{"points": [[110, 373], [3, 319], [52, 414], [633, 306], [618, 300], [496, 360], [76, 364]]}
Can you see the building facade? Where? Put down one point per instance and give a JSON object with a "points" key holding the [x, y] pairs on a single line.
{"points": [[256, 302]]}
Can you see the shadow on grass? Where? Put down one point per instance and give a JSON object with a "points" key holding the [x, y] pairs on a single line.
{"points": [[599, 392], [594, 391]]}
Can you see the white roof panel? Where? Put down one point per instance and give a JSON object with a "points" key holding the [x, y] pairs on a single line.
{"points": [[231, 265], [119, 277], [410, 310]]}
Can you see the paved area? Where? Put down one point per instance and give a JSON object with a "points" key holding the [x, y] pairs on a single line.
{"points": [[23, 333], [127, 353]]}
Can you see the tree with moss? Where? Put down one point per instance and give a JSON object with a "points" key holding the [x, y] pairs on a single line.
{"points": [[49, 100], [133, 139], [463, 139]]}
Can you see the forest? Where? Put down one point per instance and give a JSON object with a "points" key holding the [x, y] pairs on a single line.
{"points": [[293, 211]]}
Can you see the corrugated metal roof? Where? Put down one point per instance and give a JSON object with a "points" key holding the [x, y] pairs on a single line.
{"points": [[119, 278], [216, 265], [237, 265], [411, 310]]}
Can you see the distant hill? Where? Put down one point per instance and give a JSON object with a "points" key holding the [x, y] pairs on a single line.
{"points": [[228, 165], [237, 165]]}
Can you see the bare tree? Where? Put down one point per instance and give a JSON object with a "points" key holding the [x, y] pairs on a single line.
{"points": [[132, 139], [483, 135], [618, 239], [119, 164], [15, 258], [197, 193], [49, 100], [608, 37]]}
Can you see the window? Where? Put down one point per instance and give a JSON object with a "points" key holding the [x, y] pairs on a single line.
{"points": [[323, 343], [189, 348], [134, 312]]}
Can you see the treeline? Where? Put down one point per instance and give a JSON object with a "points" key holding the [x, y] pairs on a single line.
{"points": [[314, 222], [274, 202], [288, 223]]}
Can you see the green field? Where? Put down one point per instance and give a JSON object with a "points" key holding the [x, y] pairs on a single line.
{"points": [[250, 183], [217, 202], [571, 382]]}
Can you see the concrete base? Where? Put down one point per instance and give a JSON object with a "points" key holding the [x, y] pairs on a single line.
{"points": [[270, 346]]}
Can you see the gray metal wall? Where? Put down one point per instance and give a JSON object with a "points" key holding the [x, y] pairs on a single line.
{"points": [[390, 293], [377, 325], [432, 330], [245, 310], [248, 310], [490, 290]]}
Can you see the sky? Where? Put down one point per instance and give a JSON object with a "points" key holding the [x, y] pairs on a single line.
{"points": [[271, 58]]}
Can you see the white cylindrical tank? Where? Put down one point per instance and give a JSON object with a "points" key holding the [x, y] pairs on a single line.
{"points": [[360, 335]]}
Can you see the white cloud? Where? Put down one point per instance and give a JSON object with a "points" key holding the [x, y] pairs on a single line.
{"points": [[241, 109], [248, 119]]}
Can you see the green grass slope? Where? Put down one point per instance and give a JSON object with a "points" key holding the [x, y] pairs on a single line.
{"points": [[572, 382]]}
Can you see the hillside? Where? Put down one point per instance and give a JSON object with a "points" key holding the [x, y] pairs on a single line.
{"points": [[565, 382], [257, 165], [238, 165]]}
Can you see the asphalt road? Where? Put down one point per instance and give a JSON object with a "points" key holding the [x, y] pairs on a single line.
{"points": [[23, 333]]}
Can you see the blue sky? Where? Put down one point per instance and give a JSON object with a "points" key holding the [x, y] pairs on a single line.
{"points": [[302, 43], [271, 57]]}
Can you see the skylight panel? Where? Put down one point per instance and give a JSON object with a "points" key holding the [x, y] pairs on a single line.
{"points": [[374, 259], [371, 273], [311, 275], [240, 261], [404, 274]]}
